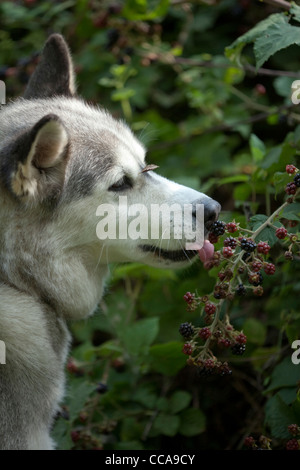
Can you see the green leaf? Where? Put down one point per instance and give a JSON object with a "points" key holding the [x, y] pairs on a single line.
{"points": [[233, 179], [108, 349], [123, 94], [61, 434], [257, 148], [278, 417], [285, 374], [167, 358], [255, 331], [138, 337], [179, 401], [77, 397], [257, 220], [291, 212], [192, 422], [278, 35], [142, 10], [234, 51], [166, 424]]}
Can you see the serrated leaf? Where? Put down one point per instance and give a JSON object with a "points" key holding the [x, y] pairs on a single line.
{"points": [[257, 148], [138, 337], [192, 422], [278, 417], [278, 35], [255, 331], [285, 374], [166, 424], [77, 397], [179, 401], [233, 51], [167, 358]]}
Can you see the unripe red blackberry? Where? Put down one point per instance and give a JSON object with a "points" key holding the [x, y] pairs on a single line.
{"points": [[263, 247], [290, 169], [292, 444], [294, 429], [186, 330], [227, 252], [258, 291], [218, 228], [297, 180], [189, 297], [256, 266], [281, 233], [249, 441], [241, 338], [291, 188], [230, 241], [224, 342], [187, 349], [269, 268], [231, 227], [255, 278], [204, 332], [213, 238], [210, 308]]}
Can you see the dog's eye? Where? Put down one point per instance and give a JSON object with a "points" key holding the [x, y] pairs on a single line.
{"points": [[121, 185]]}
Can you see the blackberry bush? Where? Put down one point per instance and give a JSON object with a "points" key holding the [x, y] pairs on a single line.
{"points": [[242, 263]]}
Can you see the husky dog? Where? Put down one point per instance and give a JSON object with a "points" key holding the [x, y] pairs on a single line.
{"points": [[59, 159]]}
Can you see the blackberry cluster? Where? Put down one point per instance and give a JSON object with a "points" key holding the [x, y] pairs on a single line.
{"points": [[186, 330], [218, 228], [248, 245]]}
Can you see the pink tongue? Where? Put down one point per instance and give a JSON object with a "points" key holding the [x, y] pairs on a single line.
{"points": [[206, 251]]}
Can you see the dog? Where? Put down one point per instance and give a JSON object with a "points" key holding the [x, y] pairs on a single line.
{"points": [[60, 159]]}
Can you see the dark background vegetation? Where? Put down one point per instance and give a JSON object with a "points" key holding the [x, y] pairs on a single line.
{"points": [[161, 66]]}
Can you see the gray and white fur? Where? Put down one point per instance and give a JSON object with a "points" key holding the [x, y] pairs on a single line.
{"points": [[59, 159]]}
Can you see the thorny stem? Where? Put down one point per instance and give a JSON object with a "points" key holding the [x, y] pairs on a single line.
{"points": [[205, 348]]}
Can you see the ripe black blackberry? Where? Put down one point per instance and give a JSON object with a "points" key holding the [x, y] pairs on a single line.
{"points": [[240, 290], [297, 180], [186, 330], [238, 349], [218, 228], [248, 245]]}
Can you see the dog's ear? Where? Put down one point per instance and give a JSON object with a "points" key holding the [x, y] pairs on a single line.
{"points": [[54, 75], [39, 158]]}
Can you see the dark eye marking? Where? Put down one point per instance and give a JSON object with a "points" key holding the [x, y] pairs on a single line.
{"points": [[121, 185]]}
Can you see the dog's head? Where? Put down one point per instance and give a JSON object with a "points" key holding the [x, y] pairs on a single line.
{"points": [[64, 160]]}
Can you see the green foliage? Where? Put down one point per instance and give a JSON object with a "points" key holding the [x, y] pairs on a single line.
{"points": [[182, 74]]}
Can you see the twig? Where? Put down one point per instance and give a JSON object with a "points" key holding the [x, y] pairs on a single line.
{"points": [[278, 3], [219, 128]]}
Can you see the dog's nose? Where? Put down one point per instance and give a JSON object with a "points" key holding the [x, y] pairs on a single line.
{"points": [[211, 211]]}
